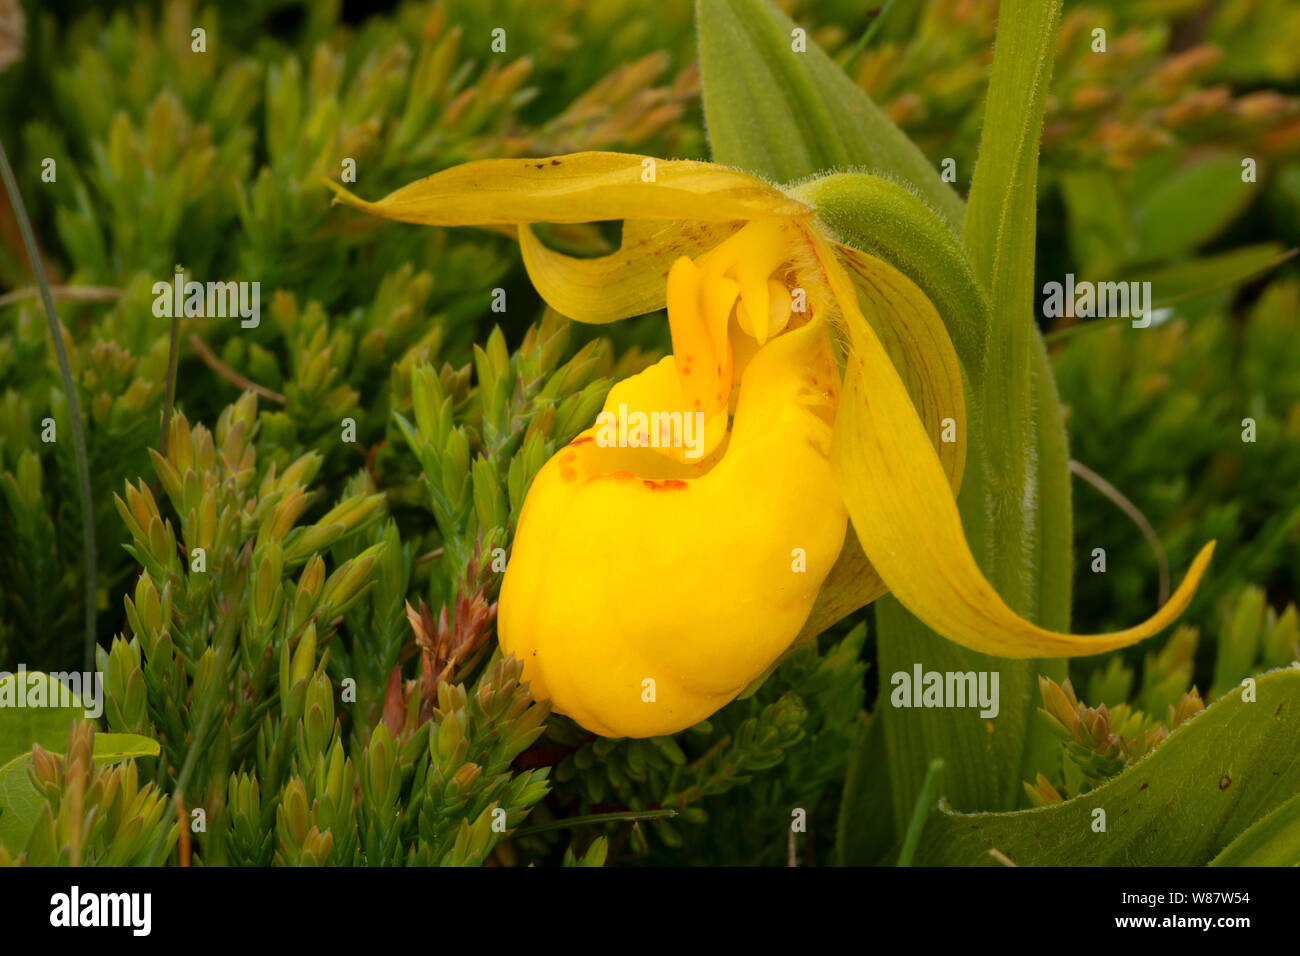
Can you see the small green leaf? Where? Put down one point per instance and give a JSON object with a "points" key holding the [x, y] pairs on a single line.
{"points": [[1100, 228], [20, 803], [114, 748], [1216, 775], [1189, 281], [1208, 274], [1190, 207]]}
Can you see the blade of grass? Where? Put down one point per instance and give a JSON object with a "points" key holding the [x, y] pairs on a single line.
{"points": [[1135, 515], [920, 812], [70, 391], [616, 817], [872, 29]]}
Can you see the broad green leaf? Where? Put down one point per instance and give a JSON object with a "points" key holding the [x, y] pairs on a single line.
{"points": [[999, 230], [983, 758], [20, 727], [1227, 767], [786, 115], [1273, 840], [20, 803], [1191, 206], [1054, 555], [1015, 502]]}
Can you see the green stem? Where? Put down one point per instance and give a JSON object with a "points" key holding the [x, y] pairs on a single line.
{"points": [[870, 32], [70, 391], [173, 359]]}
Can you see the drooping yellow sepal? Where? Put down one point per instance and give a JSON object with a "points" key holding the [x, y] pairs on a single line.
{"points": [[581, 187]]}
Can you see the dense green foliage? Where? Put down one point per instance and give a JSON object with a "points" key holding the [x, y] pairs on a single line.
{"points": [[326, 686]]}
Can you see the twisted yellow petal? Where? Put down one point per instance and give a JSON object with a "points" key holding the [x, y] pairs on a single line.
{"points": [[914, 336], [904, 512], [628, 282]]}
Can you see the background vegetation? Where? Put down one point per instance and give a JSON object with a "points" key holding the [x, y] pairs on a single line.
{"points": [[370, 559]]}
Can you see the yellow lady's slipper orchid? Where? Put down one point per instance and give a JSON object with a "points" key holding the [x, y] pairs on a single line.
{"points": [[653, 578]]}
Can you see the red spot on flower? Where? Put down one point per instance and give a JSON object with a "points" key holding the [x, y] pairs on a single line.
{"points": [[667, 484], [568, 473], [581, 440]]}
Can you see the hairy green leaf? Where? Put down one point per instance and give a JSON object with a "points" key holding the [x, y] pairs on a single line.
{"points": [[1216, 775], [1273, 840], [786, 113]]}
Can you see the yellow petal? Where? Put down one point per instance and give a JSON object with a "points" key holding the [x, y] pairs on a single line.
{"points": [[580, 187], [902, 506], [914, 336], [626, 283]]}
